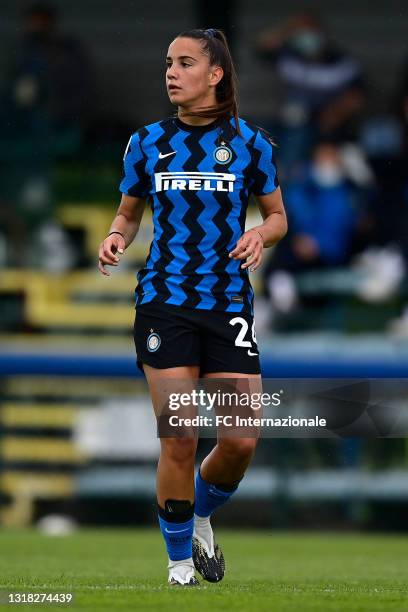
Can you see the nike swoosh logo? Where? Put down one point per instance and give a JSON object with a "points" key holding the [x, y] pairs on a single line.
{"points": [[215, 493], [252, 354], [163, 155], [174, 531]]}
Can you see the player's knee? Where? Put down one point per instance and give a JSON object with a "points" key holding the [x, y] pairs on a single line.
{"points": [[238, 448], [179, 450]]}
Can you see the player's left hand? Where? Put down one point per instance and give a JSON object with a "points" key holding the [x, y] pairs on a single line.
{"points": [[249, 247]]}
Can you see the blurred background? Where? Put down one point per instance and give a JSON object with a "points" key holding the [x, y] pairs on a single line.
{"points": [[77, 436]]}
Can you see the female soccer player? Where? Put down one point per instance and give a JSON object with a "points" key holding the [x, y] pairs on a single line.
{"points": [[194, 301]]}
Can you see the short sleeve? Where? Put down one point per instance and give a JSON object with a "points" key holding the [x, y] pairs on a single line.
{"points": [[264, 173], [135, 181]]}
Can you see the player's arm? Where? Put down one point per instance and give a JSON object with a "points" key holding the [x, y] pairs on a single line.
{"points": [[275, 224], [274, 227], [126, 225], [271, 39]]}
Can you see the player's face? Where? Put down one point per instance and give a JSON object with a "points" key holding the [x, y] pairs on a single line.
{"points": [[190, 80]]}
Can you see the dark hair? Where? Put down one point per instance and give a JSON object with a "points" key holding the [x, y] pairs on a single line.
{"points": [[215, 45]]}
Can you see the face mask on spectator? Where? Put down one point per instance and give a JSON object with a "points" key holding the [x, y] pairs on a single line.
{"points": [[308, 43], [326, 174]]}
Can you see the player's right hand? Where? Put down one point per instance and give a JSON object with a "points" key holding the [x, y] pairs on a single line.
{"points": [[109, 250]]}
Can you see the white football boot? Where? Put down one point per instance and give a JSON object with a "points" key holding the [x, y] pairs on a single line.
{"points": [[181, 573]]}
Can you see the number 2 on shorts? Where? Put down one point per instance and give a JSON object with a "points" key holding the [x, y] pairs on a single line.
{"points": [[240, 339]]}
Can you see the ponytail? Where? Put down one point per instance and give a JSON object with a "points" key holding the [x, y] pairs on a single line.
{"points": [[215, 45]]}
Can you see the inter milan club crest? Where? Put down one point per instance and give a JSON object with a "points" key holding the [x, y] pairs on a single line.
{"points": [[223, 154], [153, 341]]}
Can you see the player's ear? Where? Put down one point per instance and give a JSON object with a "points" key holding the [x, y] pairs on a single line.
{"points": [[215, 75]]}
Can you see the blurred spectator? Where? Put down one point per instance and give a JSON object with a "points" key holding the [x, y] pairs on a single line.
{"points": [[43, 113], [382, 140], [323, 86], [403, 111], [324, 208], [386, 143], [51, 74], [402, 95]]}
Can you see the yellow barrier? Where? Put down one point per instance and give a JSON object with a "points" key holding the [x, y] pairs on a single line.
{"points": [[49, 298], [16, 448], [95, 223], [37, 415]]}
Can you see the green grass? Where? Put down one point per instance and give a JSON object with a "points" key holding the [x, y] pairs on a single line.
{"points": [[125, 570]]}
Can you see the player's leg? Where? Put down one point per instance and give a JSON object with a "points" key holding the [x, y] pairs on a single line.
{"points": [[230, 352], [217, 480], [175, 482], [177, 454], [166, 341], [226, 464]]}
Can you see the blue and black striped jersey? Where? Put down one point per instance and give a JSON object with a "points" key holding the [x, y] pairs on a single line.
{"points": [[198, 179]]}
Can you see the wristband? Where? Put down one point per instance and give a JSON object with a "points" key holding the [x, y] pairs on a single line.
{"points": [[120, 234]]}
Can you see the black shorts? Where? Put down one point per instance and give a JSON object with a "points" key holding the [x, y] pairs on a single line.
{"points": [[167, 336]]}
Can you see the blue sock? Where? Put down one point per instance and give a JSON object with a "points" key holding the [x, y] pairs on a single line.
{"points": [[177, 530], [209, 497]]}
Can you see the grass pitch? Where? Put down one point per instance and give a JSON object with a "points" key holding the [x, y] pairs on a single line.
{"points": [[111, 570]]}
